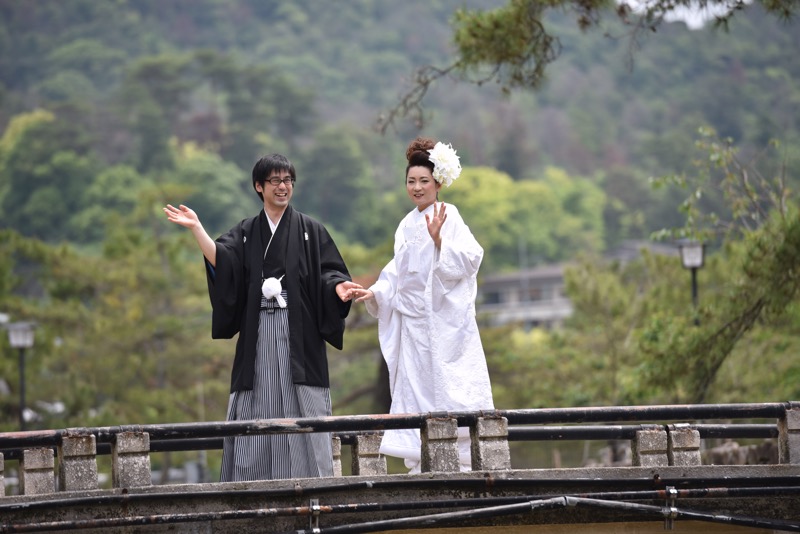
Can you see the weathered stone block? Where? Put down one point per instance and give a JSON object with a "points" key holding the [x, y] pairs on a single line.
{"points": [[683, 446], [336, 449], [130, 457], [367, 459], [439, 445], [789, 437], [489, 444], [649, 448], [37, 472], [77, 466]]}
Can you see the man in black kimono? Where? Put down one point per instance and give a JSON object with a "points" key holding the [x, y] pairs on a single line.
{"points": [[278, 280]]}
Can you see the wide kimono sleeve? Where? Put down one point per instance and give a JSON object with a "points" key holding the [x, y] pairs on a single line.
{"points": [[460, 374], [381, 307], [227, 285], [385, 287], [456, 264], [333, 272]]}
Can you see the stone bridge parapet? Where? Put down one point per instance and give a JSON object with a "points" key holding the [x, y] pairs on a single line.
{"points": [[666, 460]]}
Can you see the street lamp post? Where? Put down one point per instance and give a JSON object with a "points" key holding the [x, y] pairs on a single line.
{"points": [[692, 257], [20, 336]]}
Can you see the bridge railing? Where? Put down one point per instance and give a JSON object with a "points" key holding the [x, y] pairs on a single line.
{"points": [[665, 435]]}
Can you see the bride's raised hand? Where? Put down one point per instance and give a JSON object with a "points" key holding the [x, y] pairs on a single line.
{"points": [[436, 222]]}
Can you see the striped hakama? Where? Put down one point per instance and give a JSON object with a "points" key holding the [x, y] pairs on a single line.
{"points": [[276, 396]]}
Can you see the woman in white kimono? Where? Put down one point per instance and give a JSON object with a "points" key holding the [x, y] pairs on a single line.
{"points": [[424, 300]]}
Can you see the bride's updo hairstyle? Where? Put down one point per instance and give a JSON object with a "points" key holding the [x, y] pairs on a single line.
{"points": [[417, 153]]}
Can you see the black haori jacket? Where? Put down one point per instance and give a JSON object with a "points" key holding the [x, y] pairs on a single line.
{"points": [[313, 268]]}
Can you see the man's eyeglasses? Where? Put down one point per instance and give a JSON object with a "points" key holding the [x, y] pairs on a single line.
{"points": [[278, 181]]}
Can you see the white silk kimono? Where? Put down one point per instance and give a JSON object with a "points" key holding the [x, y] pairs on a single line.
{"points": [[425, 305]]}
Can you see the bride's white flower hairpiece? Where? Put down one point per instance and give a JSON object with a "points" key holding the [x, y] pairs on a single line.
{"points": [[446, 167]]}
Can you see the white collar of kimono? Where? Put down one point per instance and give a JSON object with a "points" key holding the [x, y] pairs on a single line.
{"points": [[273, 225], [425, 211]]}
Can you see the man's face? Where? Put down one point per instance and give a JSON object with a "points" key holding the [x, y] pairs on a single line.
{"points": [[276, 197]]}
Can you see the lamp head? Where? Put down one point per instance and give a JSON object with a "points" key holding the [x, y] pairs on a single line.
{"points": [[692, 253], [20, 335]]}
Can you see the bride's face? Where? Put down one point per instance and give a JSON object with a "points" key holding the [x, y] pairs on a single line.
{"points": [[421, 187]]}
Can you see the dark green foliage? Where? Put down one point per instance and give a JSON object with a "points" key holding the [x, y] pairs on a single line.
{"points": [[241, 79]]}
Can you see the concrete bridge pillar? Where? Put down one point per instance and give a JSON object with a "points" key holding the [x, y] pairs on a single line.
{"points": [[77, 466], [367, 459], [37, 472], [649, 448], [789, 436], [2, 476], [440, 445], [489, 444], [336, 447], [130, 460], [683, 445]]}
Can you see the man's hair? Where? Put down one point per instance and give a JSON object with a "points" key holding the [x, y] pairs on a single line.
{"points": [[266, 165]]}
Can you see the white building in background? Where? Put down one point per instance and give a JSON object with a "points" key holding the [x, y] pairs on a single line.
{"points": [[531, 298], [535, 297]]}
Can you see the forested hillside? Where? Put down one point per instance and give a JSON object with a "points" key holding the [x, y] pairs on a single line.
{"points": [[129, 86], [109, 109]]}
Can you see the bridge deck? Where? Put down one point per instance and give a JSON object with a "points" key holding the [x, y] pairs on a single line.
{"points": [[706, 498]]}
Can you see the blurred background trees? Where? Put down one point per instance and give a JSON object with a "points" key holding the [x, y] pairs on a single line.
{"points": [[108, 110]]}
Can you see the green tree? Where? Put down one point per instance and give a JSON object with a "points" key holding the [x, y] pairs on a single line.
{"points": [[628, 201], [761, 231], [68, 86], [485, 199], [114, 192], [155, 93], [164, 80], [219, 191], [125, 332], [91, 58], [634, 337], [334, 185], [532, 221], [580, 228], [46, 165], [267, 113]]}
